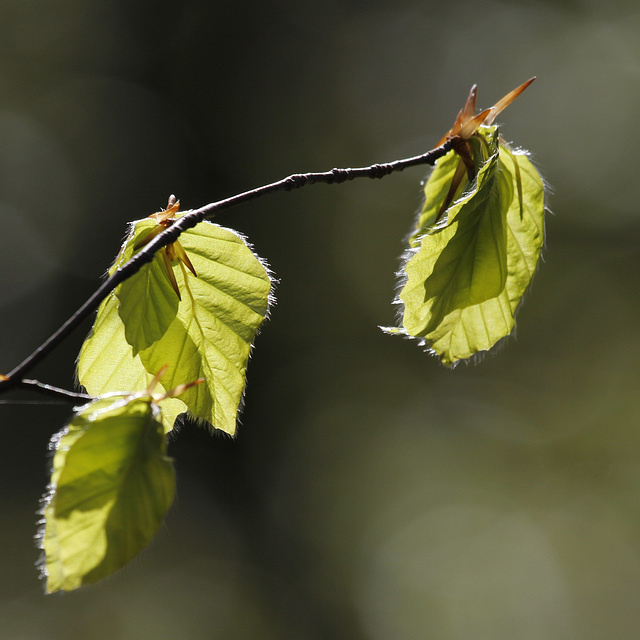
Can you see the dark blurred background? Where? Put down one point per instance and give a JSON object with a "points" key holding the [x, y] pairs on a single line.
{"points": [[371, 494]]}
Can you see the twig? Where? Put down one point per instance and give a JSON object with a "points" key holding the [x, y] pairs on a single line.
{"points": [[50, 390], [335, 176], [189, 220]]}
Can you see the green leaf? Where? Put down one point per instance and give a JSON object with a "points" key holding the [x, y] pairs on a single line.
{"points": [[465, 277], [435, 191], [210, 335], [219, 316], [106, 363], [111, 487], [154, 303]]}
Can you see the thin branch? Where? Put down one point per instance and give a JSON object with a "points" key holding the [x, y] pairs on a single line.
{"points": [[5, 402], [50, 390], [189, 220], [335, 176], [62, 396]]}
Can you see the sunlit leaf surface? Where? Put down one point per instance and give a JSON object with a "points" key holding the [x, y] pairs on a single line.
{"points": [[107, 364], [149, 302], [209, 335], [466, 273], [111, 486]]}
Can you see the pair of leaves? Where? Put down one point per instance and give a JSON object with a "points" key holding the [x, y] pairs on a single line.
{"points": [[112, 483], [206, 333], [471, 259]]}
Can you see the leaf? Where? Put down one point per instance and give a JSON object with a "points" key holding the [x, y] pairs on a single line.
{"points": [[435, 191], [465, 278], [153, 301], [466, 258], [111, 487], [218, 318], [106, 363], [209, 337]]}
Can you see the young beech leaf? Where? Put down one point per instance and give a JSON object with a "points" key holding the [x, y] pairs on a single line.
{"points": [[155, 302], [111, 487], [476, 241], [209, 335], [150, 300], [106, 362]]}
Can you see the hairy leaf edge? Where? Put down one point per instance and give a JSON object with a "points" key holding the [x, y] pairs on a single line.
{"points": [[409, 252], [271, 302]]}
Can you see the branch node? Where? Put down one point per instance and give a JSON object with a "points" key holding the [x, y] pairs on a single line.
{"points": [[341, 175], [296, 181], [381, 170]]}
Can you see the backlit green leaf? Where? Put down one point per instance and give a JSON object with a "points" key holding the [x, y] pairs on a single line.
{"points": [[209, 336], [220, 313], [111, 486], [435, 191], [106, 363], [156, 303], [466, 274]]}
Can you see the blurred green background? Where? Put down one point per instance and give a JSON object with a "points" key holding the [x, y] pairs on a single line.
{"points": [[371, 494]]}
